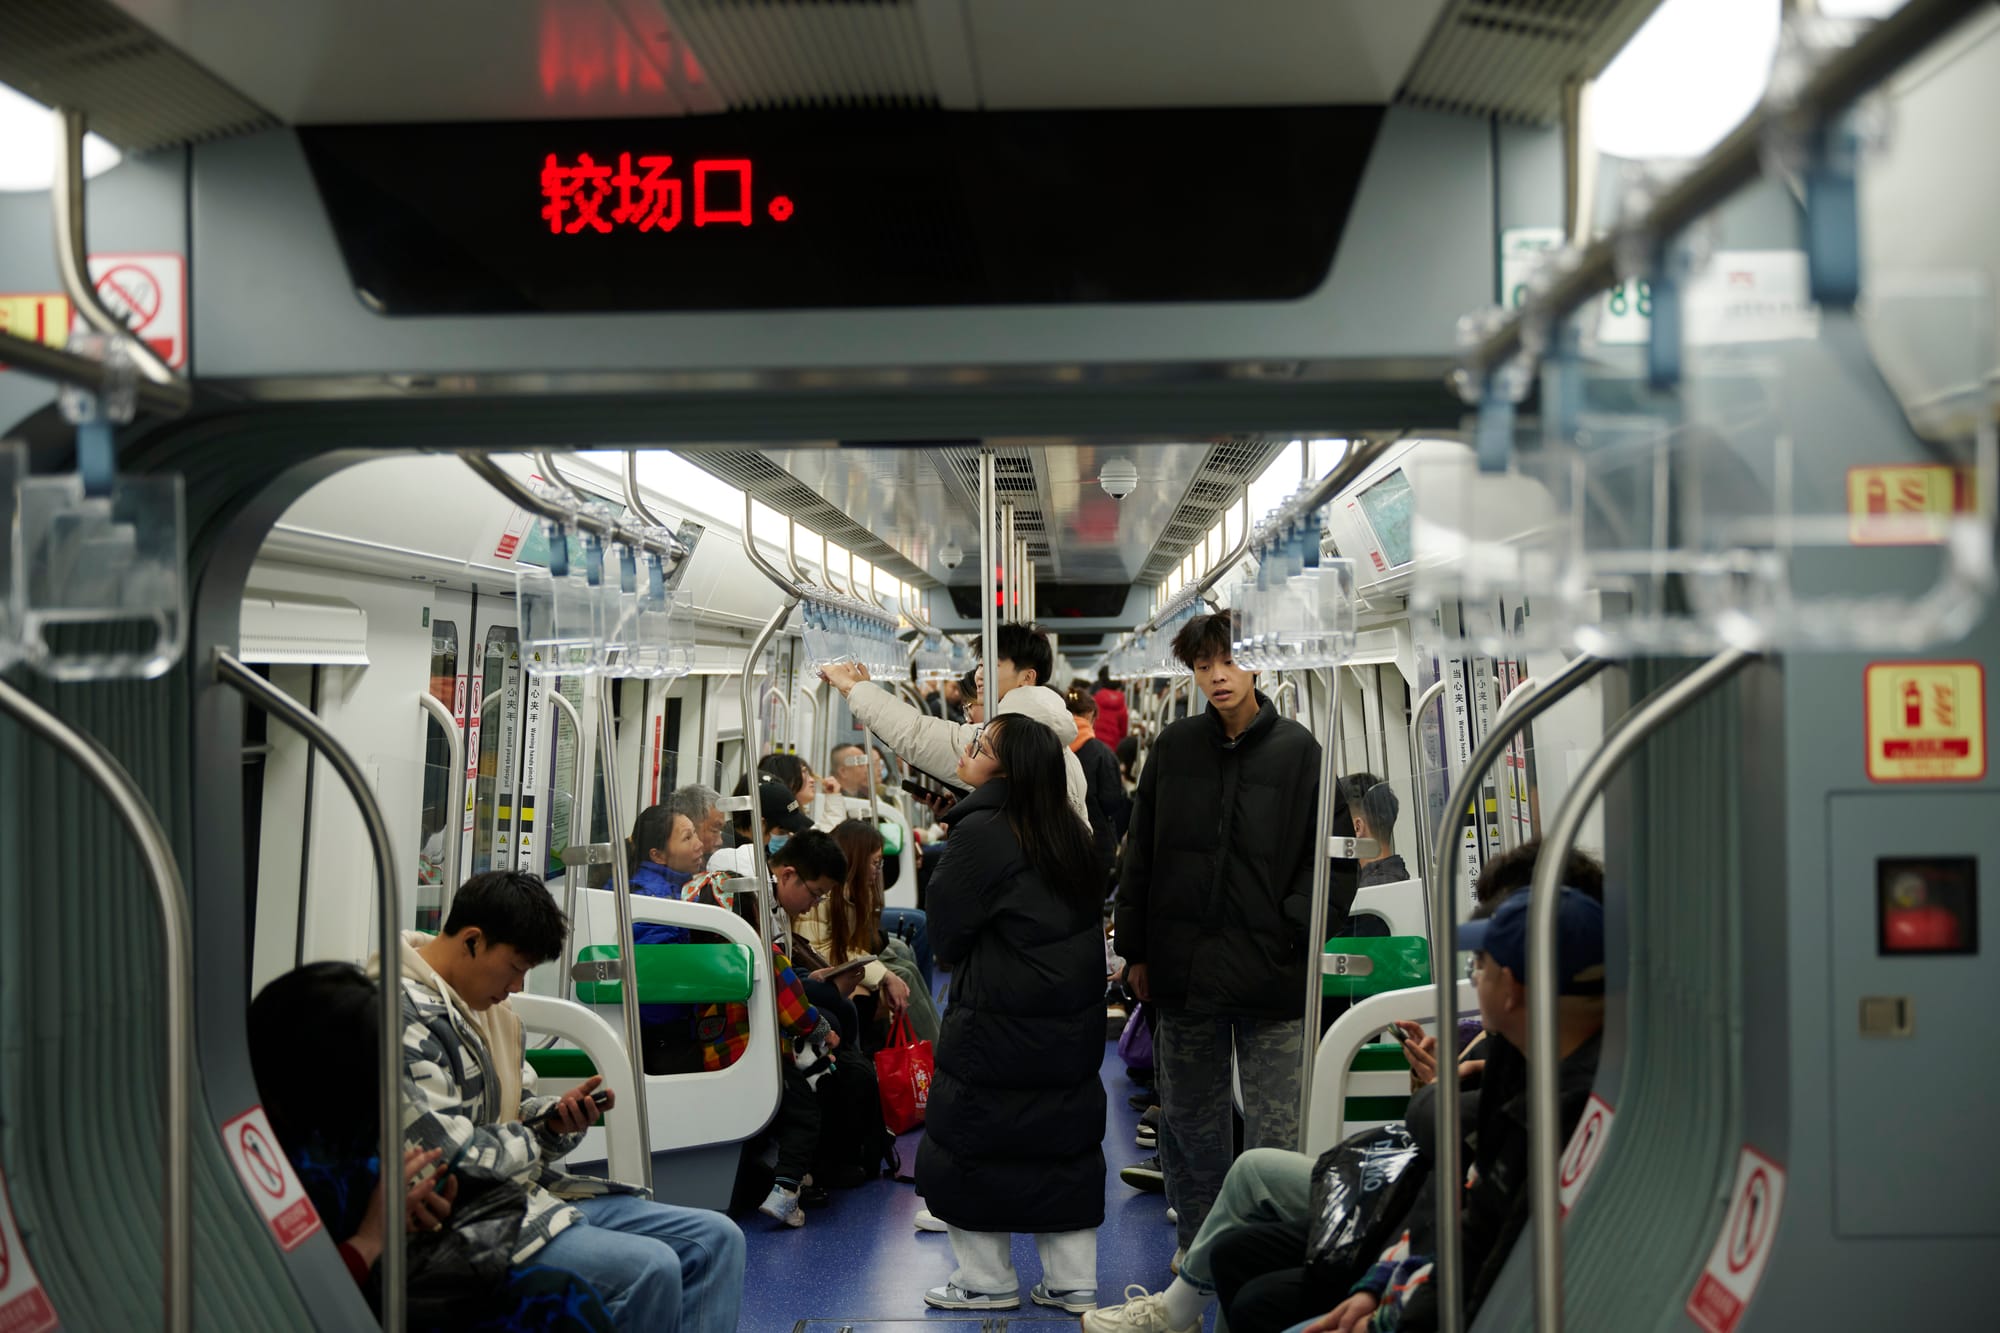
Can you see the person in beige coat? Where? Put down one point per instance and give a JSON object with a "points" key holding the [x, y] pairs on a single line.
{"points": [[1023, 662]]}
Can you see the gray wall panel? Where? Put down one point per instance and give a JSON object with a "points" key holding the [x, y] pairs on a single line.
{"points": [[275, 298]]}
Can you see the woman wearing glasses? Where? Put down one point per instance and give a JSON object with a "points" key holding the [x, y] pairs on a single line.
{"points": [[1016, 1118]]}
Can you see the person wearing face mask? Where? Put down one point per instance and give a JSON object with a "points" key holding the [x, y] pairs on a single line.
{"points": [[1014, 1138], [783, 817]]}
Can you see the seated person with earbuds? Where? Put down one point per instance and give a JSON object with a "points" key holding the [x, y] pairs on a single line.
{"points": [[469, 1093]]}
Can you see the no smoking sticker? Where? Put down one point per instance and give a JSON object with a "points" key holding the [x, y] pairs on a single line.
{"points": [[24, 1306], [149, 292], [1742, 1251], [269, 1179]]}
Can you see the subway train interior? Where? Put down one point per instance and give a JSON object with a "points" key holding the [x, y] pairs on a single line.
{"points": [[436, 435]]}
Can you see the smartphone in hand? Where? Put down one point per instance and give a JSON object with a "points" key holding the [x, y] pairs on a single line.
{"points": [[601, 1099]]}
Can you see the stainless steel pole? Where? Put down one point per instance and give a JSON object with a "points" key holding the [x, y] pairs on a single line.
{"points": [[163, 875], [1329, 776], [1840, 80], [1012, 585], [581, 789], [988, 618], [1420, 793], [762, 870], [1544, 1035], [1446, 841], [628, 972], [389, 940], [67, 200]]}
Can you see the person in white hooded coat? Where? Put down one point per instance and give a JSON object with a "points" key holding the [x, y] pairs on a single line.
{"points": [[1023, 660]]}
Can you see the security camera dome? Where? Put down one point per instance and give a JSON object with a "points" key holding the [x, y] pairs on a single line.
{"points": [[951, 555], [1118, 477]]}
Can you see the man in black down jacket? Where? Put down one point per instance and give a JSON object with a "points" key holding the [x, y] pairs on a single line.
{"points": [[1214, 906]]}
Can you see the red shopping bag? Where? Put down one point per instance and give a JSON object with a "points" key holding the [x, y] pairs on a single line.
{"points": [[903, 1072]]}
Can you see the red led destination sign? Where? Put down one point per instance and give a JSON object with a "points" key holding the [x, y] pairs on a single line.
{"points": [[842, 209], [580, 196]]}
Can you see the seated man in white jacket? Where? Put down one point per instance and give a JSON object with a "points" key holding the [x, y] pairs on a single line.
{"points": [[1023, 661]]}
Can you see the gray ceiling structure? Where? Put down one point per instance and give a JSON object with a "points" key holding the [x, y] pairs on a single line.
{"points": [[899, 506]]}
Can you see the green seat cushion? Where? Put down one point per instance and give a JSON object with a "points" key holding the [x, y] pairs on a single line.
{"points": [[674, 974], [1381, 1057], [560, 1062], [1400, 962], [1377, 1108]]}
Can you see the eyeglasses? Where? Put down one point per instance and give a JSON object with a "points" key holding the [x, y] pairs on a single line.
{"points": [[975, 749]]}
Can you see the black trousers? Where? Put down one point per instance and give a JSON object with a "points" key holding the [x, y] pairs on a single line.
{"points": [[1261, 1281], [797, 1128]]}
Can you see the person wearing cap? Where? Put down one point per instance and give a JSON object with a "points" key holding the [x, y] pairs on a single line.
{"points": [[783, 817], [1249, 1251], [1397, 1294]]}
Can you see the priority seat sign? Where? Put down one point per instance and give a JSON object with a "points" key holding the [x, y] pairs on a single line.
{"points": [[268, 1178], [1743, 1250]]}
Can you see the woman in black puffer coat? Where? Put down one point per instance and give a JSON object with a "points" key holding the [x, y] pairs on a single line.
{"points": [[1015, 1137]]}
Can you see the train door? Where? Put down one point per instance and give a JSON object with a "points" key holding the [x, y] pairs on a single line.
{"points": [[450, 621]]}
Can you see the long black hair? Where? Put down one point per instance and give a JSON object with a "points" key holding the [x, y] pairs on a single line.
{"points": [[1056, 842]]}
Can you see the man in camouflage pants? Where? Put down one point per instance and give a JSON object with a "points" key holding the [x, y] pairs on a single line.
{"points": [[1214, 906]]}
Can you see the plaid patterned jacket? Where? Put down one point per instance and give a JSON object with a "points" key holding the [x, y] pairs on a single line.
{"points": [[451, 1099], [724, 1029]]}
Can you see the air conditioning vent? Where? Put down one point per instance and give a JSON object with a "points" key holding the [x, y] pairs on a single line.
{"points": [[133, 88]]}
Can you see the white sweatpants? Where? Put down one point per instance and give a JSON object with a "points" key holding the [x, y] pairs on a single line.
{"points": [[986, 1260]]}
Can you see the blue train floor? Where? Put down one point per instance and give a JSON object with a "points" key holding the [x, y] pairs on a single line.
{"points": [[861, 1257]]}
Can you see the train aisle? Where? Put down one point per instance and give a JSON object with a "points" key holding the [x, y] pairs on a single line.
{"points": [[862, 1258]]}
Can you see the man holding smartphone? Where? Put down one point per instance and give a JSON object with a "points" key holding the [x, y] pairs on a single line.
{"points": [[469, 1094]]}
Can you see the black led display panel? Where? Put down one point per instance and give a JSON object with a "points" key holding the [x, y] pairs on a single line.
{"points": [[802, 210]]}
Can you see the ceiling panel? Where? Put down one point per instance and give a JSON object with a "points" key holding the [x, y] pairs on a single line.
{"points": [[391, 61], [1139, 53]]}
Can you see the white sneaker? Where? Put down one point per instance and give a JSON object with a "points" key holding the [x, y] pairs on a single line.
{"points": [[1142, 1312], [927, 1220], [1173, 1215], [951, 1296], [782, 1205]]}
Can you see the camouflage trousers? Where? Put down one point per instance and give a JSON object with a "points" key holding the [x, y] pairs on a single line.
{"points": [[1197, 1134]]}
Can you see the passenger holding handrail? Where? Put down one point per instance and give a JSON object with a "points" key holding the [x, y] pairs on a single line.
{"points": [[1016, 1120], [1023, 660]]}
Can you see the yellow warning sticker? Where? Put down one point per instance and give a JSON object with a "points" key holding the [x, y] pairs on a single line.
{"points": [[1905, 505], [41, 317], [1926, 721]]}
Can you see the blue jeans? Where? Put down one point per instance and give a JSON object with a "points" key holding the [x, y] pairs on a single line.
{"points": [[914, 928], [658, 1267]]}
